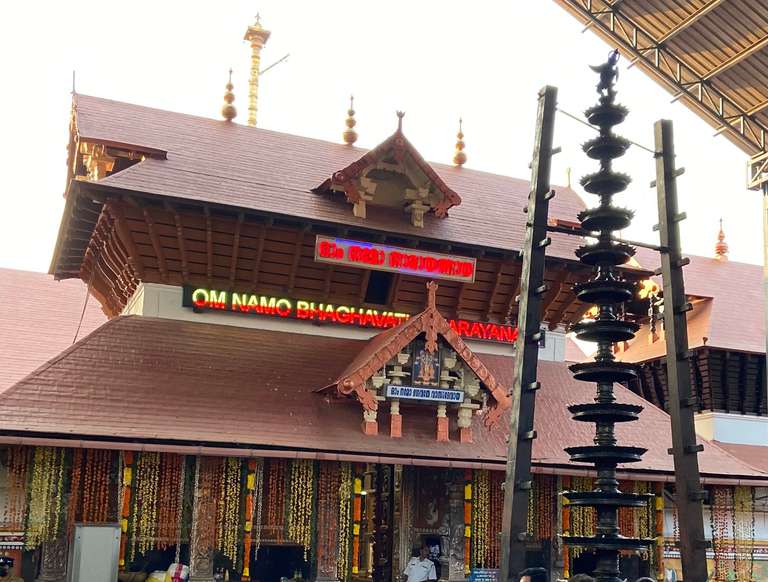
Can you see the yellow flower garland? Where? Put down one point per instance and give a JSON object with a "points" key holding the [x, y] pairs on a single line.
{"points": [[345, 521], [145, 520], [228, 508], [301, 504], [45, 497]]}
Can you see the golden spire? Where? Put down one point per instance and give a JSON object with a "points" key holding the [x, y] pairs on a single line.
{"points": [[350, 135], [258, 37], [229, 111], [721, 247], [459, 156]]}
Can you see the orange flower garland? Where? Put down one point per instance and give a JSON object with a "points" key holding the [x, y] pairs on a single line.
{"points": [[357, 516], [565, 508], [275, 518], [169, 502], [329, 476], [481, 519], [250, 486], [659, 501], [496, 508], [95, 482], [74, 496], [15, 505], [126, 483]]}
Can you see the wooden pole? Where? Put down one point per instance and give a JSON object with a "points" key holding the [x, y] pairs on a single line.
{"points": [[681, 402], [518, 482]]}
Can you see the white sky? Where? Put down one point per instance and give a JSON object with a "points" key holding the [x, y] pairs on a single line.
{"points": [[436, 60]]}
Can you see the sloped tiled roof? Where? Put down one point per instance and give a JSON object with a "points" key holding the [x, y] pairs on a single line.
{"points": [[754, 455], [157, 380], [729, 314], [39, 319], [229, 164]]}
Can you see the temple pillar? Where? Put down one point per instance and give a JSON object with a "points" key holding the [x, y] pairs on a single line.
{"points": [[370, 423], [202, 540], [395, 420], [456, 540], [53, 563], [443, 434], [465, 424]]}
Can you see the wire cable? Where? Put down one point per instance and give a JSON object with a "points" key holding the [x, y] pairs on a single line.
{"points": [[576, 118]]}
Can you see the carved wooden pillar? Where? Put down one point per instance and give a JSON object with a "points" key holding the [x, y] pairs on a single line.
{"points": [[382, 550], [53, 564], [397, 514], [203, 521], [456, 539]]}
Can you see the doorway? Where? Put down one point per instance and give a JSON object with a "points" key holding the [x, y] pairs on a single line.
{"points": [[274, 562]]}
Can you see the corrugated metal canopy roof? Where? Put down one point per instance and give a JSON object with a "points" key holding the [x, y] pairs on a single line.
{"points": [[712, 54]]}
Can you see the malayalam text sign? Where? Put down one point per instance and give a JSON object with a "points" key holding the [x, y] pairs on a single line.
{"points": [[418, 393]]}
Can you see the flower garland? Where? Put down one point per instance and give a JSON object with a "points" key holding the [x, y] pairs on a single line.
{"points": [[250, 487], [496, 508], [180, 502], [582, 519], [357, 516], [15, 500], [627, 514], [301, 504], [145, 508], [126, 484], [345, 523], [169, 502], [564, 484], [74, 496], [744, 531], [645, 519], [467, 522], [95, 482], [228, 508], [275, 522], [545, 495], [720, 523], [46, 494], [659, 553], [258, 500], [480, 519]]}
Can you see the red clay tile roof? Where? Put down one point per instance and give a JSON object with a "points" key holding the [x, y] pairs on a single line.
{"points": [[230, 164], [38, 319], [382, 347], [140, 378], [734, 317], [754, 455]]}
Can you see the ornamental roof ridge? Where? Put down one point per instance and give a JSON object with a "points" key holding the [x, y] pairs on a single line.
{"points": [[382, 347]]}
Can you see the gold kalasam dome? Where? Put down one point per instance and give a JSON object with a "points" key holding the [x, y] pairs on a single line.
{"points": [[350, 135], [229, 111], [721, 247], [459, 156]]}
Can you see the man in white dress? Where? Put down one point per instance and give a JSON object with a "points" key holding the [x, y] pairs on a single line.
{"points": [[421, 568]]}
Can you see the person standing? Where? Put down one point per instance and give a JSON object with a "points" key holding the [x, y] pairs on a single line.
{"points": [[420, 568]]}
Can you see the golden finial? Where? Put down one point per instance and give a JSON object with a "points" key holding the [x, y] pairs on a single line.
{"points": [[721, 247], [350, 135], [257, 36], [229, 111], [459, 156]]}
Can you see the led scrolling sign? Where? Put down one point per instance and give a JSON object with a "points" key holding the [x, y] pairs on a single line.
{"points": [[201, 299]]}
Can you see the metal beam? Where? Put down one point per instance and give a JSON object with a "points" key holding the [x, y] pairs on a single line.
{"points": [[517, 486], [680, 403], [758, 108], [687, 22], [618, 29], [736, 59]]}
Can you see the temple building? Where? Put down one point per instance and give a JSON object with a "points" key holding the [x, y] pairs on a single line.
{"points": [[306, 365]]}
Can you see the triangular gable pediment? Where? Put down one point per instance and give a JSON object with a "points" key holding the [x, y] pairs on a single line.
{"points": [[386, 354], [393, 175]]}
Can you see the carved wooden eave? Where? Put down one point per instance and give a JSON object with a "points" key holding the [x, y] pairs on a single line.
{"points": [[382, 348], [91, 158], [394, 175]]}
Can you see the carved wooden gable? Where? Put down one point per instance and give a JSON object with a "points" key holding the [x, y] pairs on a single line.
{"points": [[393, 175], [422, 361]]}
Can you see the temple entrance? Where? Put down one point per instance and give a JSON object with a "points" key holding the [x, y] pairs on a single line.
{"points": [[275, 562]]}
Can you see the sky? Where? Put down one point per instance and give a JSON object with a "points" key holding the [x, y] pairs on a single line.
{"points": [[437, 60]]}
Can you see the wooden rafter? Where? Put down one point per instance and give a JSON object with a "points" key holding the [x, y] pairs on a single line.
{"points": [[394, 288], [180, 238], [235, 249], [364, 280], [556, 288], [698, 379], [743, 361], [645, 391], [724, 386], [558, 315], [114, 208], [259, 252], [758, 108], [759, 390], [496, 284], [512, 299], [208, 244], [657, 387], [690, 20], [736, 59], [296, 257], [155, 243]]}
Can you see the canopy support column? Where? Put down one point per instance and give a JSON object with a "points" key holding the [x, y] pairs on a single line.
{"points": [[532, 290]]}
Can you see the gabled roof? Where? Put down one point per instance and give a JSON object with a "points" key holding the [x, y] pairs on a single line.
{"points": [[397, 146], [231, 165], [119, 385], [728, 311], [39, 317], [381, 348]]}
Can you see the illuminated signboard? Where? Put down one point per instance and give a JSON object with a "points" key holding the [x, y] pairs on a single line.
{"points": [[365, 255], [201, 299], [417, 393]]}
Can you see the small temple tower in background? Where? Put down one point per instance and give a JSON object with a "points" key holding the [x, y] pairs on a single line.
{"points": [[258, 37], [721, 247], [459, 156]]}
